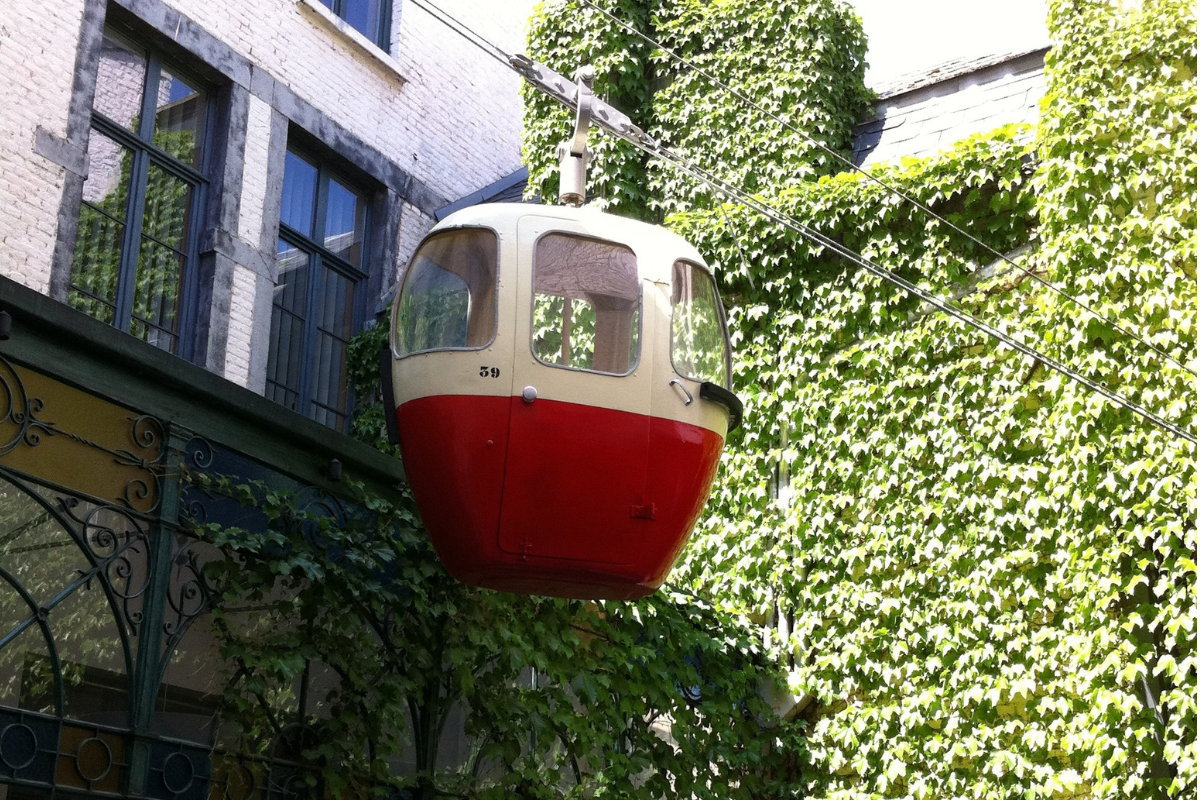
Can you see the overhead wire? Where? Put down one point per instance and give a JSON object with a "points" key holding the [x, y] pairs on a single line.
{"points": [[1116, 326], [907, 286], [653, 148], [480, 41]]}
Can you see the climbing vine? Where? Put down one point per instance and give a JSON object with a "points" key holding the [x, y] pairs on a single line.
{"points": [[560, 698], [979, 574], [975, 577]]}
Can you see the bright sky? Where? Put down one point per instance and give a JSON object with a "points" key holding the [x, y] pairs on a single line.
{"points": [[906, 36]]}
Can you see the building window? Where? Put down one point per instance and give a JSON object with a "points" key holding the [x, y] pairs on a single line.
{"points": [[371, 18], [318, 298], [134, 263]]}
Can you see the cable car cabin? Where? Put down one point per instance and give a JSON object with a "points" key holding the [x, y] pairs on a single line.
{"points": [[561, 384]]}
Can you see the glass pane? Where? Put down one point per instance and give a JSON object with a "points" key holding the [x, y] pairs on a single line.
{"points": [[344, 213], [287, 326], [291, 288], [41, 555], [156, 294], [196, 674], [448, 299], [179, 119], [699, 348], [363, 16], [299, 194], [168, 201], [120, 80], [335, 315], [586, 304], [564, 332], [335, 323], [109, 168], [100, 236]]}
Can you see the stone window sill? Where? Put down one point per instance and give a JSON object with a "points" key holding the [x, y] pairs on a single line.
{"points": [[320, 13]]}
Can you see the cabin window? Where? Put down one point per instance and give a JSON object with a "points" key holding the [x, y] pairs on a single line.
{"points": [[699, 347], [586, 305], [448, 301]]}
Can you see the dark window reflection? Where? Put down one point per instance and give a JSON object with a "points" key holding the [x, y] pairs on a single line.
{"points": [[120, 82], [287, 326], [132, 256], [319, 260]]}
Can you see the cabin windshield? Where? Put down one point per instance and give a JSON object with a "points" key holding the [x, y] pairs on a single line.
{"points": [[586, 305], [699, 344], [448, 300]]}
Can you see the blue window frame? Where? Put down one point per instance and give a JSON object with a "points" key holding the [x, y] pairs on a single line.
{"points": [[371, 18], [135, 257], [319, 298]]}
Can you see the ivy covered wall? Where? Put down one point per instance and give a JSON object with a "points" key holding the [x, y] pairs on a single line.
{"points": [[980, 575]]}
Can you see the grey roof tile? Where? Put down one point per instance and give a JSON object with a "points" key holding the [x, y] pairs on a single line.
{"points": [[923, 114]]}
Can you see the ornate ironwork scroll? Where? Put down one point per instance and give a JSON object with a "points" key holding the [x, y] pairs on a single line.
{"points": [[69, 438]]}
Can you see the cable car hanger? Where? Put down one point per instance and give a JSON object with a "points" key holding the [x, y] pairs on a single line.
{"points": [[560, 386]]}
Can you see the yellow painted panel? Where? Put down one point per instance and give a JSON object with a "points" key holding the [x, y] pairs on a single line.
{"points": [[57, 433]]}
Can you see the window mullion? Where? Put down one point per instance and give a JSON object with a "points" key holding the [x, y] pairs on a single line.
{"points": [[175, 168], [320, 208], [316, 285], [135, 212], [139, 180], [308, 365], [150, 99], [188, 283]]}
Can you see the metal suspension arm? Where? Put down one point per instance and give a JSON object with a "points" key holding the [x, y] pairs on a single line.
{"points": [[573, 155]]}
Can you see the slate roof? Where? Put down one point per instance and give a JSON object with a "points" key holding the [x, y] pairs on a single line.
{"points": [[509, 189], [917, 115], [921, 114]]}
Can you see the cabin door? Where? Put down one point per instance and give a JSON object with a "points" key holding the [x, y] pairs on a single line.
{"points": [[575, 482]]}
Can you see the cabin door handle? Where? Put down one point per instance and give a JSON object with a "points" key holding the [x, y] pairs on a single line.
{"points": [[679, 385]]}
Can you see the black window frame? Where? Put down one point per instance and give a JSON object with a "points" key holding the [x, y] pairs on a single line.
{"points": [[146, 154], [318, 257], [382, 37]]}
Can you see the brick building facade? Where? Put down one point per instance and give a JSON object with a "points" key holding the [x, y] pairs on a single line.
{"points": [[203, 200], [418, 121]]}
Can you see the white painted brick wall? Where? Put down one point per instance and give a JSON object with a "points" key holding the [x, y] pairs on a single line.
{"points": [[241, 324], [254, 173], [37, 61], [454, 122]]}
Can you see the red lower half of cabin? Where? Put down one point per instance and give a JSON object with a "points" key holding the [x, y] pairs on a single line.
{"points": [[553, 498]]}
